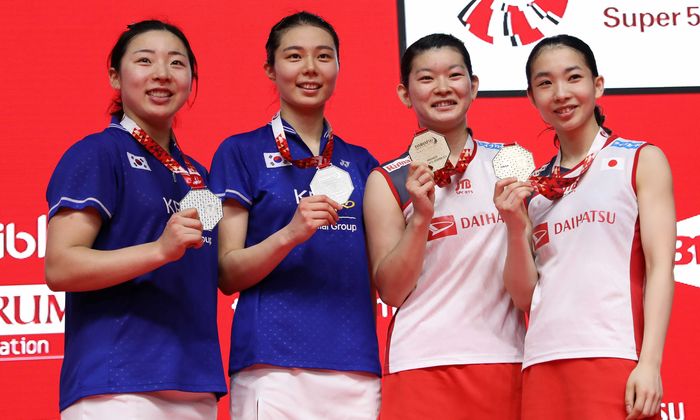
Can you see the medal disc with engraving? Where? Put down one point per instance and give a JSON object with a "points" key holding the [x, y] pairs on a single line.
{"points": [[513, 161], [430, 147], [334, 183], [207, 204]]}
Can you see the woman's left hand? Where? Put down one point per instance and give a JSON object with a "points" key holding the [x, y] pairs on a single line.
{"points": [[644, 391]]}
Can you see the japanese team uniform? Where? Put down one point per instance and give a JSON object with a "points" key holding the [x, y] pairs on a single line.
{"points": [[309, 324], [586, 316], [156, 333], [455, 345]]}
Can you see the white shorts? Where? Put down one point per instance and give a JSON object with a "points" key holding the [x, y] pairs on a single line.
{"points": [[265, 393], [169, 405]]}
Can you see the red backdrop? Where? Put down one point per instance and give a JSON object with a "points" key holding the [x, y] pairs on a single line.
{"points": [[55, 91]]}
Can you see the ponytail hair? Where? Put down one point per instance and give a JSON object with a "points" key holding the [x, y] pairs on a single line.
{"points": [[600, 119]]}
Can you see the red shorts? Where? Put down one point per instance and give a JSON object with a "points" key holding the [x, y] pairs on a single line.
{"points": [[488, 391], [576, 389]]}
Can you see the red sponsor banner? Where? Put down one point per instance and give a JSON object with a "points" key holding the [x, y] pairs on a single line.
{"points": [[20, 348], [31, 323], [687, 267], [18, 244], [30, 309], [76, 96]]}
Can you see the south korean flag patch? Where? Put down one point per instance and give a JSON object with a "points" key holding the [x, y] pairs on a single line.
{"points": [[275, 160], [138, 162]]}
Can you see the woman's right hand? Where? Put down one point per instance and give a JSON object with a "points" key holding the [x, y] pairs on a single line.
{"points": [[183, 230], [73, 265], [420, 184], [241, 266], [312, 213], [509, 197]]}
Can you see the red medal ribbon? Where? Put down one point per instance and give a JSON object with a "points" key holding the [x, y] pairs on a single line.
{"points": [[321, 161], [190, 175], [443, 176], [556, 185]]}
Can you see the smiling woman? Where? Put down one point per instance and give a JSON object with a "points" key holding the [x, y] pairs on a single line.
{"points": [[598, 284], [117, 250], [282, 249], [153, 75], [436, 251], [304, 70]]}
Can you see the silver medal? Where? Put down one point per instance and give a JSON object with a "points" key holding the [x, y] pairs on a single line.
{"points": [[430, 147], [207, 204], [513, 161], [333, 182]]}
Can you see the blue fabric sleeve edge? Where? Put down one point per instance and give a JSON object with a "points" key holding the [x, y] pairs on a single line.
{"points": [[236, 195], [74, 204]]}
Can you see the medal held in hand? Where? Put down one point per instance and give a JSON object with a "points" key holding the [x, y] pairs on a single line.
{"points": [[329, 180], [207, 204], [199, 197], [333, 182], [513, 160], [430, 147]]}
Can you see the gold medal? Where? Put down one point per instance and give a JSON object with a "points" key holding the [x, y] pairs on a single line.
{"points": [[430, 147]]}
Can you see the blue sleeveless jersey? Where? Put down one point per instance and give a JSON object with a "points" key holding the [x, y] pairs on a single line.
{"points": [[157, 331], [315, 309]]}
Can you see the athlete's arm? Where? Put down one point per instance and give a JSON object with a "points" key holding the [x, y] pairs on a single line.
{"points": [[241, 267], [657, 222], [397, 249], [519, 271], [72, 265]]}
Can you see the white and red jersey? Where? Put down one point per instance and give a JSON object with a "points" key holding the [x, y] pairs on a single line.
{"points": [[588, 298], [459, 312]]}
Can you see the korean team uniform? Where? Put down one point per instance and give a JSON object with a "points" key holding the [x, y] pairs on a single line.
{"points": [[156, 332], [303, 341]]}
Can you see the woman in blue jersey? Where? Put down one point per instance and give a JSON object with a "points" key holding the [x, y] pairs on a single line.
{"points": [[590, 255], [140, 276], [435, 242], [303, 342]]}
